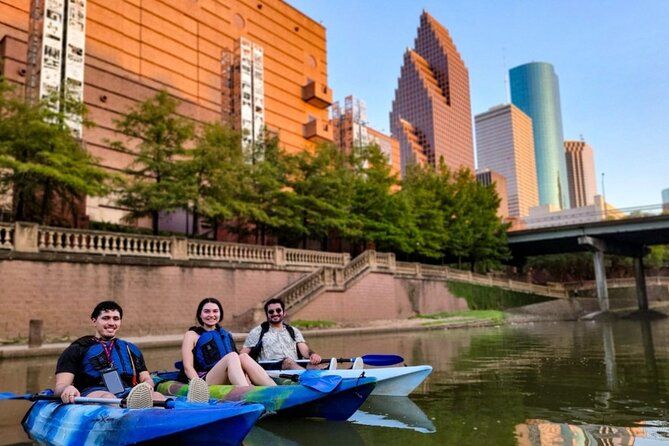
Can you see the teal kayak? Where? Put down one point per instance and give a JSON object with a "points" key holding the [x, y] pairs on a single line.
{"points": [[53, 423], [294, 400]]}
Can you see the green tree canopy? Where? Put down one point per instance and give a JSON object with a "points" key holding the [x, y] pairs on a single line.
{"points": [[157, 140], [41, 162]]}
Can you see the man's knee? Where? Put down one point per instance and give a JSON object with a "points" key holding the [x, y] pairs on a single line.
{"points": [[290, 364]]}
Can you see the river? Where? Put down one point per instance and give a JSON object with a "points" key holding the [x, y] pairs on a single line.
{"points": [[580, 383]]}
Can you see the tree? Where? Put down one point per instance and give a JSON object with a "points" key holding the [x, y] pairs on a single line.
{"points": [[323, 187], [153, 181], [423, 188], [382, 216], [41, 161]]}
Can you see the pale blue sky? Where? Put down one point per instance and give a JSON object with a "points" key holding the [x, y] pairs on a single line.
{"points": [[612, 58]]}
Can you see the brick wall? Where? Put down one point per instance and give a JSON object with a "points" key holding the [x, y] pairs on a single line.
{"points": [[155, 299], [381, 296]]}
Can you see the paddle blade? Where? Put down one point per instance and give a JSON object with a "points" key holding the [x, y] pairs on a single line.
{"points": [[381, 360], [317, 381]]}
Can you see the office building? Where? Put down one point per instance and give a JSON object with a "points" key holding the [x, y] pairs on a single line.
{"points": [[488, 177], [665, 200], [580, 173], [351, 129], [535, 90], [431, 112], [254, 65], [505, 144]]}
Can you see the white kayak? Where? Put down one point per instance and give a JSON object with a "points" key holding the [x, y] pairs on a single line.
{"points": [[390, 381]]}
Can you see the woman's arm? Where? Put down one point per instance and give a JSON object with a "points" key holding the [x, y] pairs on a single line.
{"points": [[190, 338]]}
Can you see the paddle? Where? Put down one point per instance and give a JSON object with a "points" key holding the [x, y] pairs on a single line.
{"points": [[168, 404], [315, 380], [375, 360]]}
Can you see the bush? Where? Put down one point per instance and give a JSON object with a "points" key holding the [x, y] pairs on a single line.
{"points": [[481, 297]]}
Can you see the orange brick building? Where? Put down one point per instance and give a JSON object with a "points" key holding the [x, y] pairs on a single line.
{"points": [[199, 51]]}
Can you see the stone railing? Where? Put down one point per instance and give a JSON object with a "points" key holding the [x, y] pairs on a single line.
{"points": [[300, 290], [30, 237], [307, 257], [230, 252], [419, 270], [624, 282], [6, 236], [104, 243]]}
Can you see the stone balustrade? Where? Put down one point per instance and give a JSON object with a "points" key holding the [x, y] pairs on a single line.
{"points": [[298, 291], [307, 257], [6, 236], [100, 242], [230, 252]]}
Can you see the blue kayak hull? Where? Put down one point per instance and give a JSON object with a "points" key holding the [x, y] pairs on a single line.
{"points": [[52, 423]]}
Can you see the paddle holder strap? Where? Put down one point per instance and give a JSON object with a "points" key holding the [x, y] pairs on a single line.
{"points": [[167, 404]]}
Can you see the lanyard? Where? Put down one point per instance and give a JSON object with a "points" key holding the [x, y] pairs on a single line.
{"points": [[108, 348]]}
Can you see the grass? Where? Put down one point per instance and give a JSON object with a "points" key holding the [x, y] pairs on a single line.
{"points": [[312, 324], [490, 315]]}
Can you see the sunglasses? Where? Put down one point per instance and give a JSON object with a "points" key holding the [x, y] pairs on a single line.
{"points": [[277, 311]]}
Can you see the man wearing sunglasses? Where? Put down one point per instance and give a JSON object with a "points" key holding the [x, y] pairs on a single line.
{"points": [[277, 342]]}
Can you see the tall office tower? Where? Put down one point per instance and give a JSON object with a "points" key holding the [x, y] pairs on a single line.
{"points": [[504, 144], [665, 200], [581, 173], [489, 177], [351, 129], [431, 113], [535, 90]]}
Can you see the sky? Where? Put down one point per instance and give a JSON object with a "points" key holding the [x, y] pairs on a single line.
{"points": [[611, 57]]}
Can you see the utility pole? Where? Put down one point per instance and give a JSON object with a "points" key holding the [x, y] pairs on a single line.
{"points": [[604, 196]]}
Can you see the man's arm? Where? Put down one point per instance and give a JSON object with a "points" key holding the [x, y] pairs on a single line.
{"points": [[306, 352], [251, 341], [244, 350], [64, 388]]}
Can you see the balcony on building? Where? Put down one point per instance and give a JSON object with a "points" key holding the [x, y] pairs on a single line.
{"points": [[317, 94], [318, 131]]}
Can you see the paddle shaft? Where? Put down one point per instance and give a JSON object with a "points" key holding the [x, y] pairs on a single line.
{"points": [[85, 400], [378, 360]]}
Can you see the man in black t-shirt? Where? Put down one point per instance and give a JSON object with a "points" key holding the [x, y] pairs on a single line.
{"points": [[90, 365]]}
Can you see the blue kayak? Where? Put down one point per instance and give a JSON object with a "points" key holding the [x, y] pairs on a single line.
{"points": [[53, 423]]}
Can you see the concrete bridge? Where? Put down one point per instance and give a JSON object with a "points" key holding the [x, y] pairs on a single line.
{"points": [[626, 237]]}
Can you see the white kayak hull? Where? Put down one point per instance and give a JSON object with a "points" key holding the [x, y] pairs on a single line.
{"points": [[390, 381]]}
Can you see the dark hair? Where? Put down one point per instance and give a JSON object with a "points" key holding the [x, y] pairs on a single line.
{"points": [[107, 305], [203, 302], [274, 301]]}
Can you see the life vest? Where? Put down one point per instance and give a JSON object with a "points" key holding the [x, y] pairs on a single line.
{"points": [[264, 328], [210, 347], [124, 357]]}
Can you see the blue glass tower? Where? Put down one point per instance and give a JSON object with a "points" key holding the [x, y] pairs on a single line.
{"points": [[535, 90]]}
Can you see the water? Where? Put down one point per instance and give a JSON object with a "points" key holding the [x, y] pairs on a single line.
{"points": [[541, 384]]}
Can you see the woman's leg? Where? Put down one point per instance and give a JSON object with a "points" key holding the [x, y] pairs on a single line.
{"points": [[256, 373], [227, 369]]}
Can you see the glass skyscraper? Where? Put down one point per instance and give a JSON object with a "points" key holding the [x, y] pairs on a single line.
{"points": [[535, 90]]}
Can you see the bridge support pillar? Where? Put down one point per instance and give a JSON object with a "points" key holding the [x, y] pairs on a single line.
{"points": [[598, 247], [600, 278], [640, 276]]}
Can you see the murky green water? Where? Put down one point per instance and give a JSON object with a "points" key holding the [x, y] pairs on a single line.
{"points": [[542, 384]]}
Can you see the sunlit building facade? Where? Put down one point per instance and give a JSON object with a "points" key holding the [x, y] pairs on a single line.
{"points": [[505, 144], [581, 173], [431, 111], [255, 65]]}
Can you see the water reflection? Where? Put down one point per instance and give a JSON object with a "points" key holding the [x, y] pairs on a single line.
{"points": [[394, 412], [490, 386], [545, 433]]}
